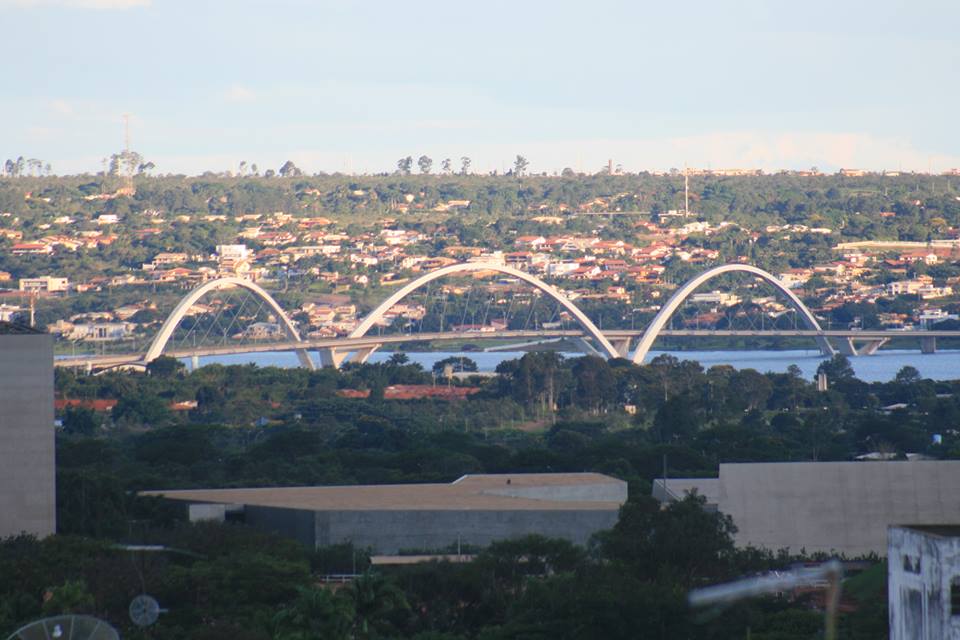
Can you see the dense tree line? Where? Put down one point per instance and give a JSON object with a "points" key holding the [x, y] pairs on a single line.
{"points": [[265, 426]]}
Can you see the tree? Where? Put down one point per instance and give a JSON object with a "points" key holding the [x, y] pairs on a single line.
{"points": [[165, 367], [70, 597], [908, 375], [375, 599], [398, 359], [405, 165], [79, 421], [446, 165], [314, 613], [425, 164], [837, 368], [290, 170], [676, 418], [457, 364], [595, 385], [465, 165], [520, 165], [685, 539], [146, 167]]}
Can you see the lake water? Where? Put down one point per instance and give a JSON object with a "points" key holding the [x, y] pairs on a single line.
{"points": [[880, 367]]}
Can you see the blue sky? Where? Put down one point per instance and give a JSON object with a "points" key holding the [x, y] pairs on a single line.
{"points": [[341, 85]]}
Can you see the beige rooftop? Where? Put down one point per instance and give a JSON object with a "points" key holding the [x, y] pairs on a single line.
{"points": [[523, 491]]}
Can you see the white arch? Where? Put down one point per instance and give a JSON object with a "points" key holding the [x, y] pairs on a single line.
{"points": [[465, 267], [166, 331], [667, 310]]}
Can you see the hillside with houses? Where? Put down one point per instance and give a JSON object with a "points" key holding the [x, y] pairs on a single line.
{"points": [[97, 264]]}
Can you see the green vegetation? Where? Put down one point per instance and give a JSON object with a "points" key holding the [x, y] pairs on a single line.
{"points": [[259, 427]]}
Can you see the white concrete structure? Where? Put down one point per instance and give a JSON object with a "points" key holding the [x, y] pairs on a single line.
{"points": [[606, 348], [667, 310], [166, 331], [830, 507], [923, 582], [27, 475], [46, 284], [473, 510]]}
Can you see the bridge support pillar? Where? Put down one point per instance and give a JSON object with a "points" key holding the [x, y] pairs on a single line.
{"points": [[587, 348], [928, 344], [304, 357], [871, 347], [194, 362], [847, 347], [330, 358], [360, 356], [622, 345]]}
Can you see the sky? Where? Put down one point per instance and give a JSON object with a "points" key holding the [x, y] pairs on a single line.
{"points": [[351, 86]]}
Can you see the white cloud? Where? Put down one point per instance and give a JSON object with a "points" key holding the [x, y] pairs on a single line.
{"points": [[239, 93], [62, 107], [77, 4]]}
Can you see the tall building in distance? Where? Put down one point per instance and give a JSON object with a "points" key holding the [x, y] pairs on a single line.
{"points": [[27, 474]]}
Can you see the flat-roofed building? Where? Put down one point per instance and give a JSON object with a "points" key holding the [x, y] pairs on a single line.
{"points": [[830, 507], [27, 479], [474, 510], [46, 284]]}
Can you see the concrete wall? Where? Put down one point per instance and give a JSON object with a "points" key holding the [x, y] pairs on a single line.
{"points": [[291, 523], [391, 531], [27, 473], [921, 569], [842, 507]]}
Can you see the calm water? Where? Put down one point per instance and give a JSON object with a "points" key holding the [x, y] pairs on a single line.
{"points": [[883, 366]]}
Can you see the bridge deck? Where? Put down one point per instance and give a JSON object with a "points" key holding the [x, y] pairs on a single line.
{"points": [[351, 344]]}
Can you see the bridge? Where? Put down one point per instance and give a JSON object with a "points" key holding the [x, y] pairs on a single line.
{"points": [[359, 344]]}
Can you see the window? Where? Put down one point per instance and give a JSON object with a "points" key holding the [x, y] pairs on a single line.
{"points": [[955, 596], [911, 565]]}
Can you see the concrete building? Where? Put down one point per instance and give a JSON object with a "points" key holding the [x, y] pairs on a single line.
{"points": [[833, 507], [474, 510], [27, 480], [923, 582], [46, 284]]}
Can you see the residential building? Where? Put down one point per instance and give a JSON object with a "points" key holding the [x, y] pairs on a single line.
{"points": [[46, 284]]}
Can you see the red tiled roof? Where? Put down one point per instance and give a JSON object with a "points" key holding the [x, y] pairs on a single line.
{"points": [[413, 392], [100, 404]]}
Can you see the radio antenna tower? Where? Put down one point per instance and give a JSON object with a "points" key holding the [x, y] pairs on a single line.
{"points": [[686, 191], [126, 164]]}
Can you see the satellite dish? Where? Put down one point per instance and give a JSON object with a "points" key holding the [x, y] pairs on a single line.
{"points": [[144, 610], [66, 628]]}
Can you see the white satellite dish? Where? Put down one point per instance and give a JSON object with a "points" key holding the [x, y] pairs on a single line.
{"points": [[66, 628], [144, 610]]}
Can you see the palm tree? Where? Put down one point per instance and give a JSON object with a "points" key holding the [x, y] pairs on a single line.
{"points": [[314, 613], [374, 600]]}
